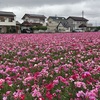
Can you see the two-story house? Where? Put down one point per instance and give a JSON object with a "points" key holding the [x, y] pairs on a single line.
{"points": [[7, 22], [77, 22], [31, 20], [55, 23]]}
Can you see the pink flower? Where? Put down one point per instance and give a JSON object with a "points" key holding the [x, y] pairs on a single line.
{"points": [[92, 95], [36, 93], [80, 94], [63, 80], [75, 76], [41, 98], [58, 90], [55, 82], [50, 86], [1, 82], [29, 78], [86, 74], [49, 96], [8, 93], [36, 75], [9, 83], [19, 53], [4, 98], [80, 84], [19, 95]]}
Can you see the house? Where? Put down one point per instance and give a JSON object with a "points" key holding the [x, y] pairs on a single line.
{"points": [[63, 27], [32, 20], [77, 22], [54, 22], [7, 22]]}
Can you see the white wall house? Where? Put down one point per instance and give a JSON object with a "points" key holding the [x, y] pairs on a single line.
{"points": [[53, 22], [34, 20], [31, 20], [7, 21], [76, 22]]}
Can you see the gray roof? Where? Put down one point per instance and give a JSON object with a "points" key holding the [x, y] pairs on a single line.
{"points": [[78, 18], [57, 18], [3, 13], [34, 16], [64, 24]]}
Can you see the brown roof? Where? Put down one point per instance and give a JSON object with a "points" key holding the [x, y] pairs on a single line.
{"points": [[25, 23], [34, 16], [78, 18], [82, 25], [3, 13]]}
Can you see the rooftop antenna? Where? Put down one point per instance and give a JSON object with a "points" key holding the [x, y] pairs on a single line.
{"points": [[82, 19]]}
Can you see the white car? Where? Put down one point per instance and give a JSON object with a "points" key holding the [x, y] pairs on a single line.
{"points": [[78, 30]]}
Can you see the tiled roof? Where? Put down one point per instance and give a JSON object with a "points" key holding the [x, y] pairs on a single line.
{"points": [[64, 24], [78, 18], [34, 16], [26, 23], [3, 13]]}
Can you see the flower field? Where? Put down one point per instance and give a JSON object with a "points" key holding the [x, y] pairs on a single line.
{"points": [[63, 66]]}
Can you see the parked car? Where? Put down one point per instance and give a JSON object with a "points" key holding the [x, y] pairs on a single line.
{"points": [[78, 30], [26, 31]]}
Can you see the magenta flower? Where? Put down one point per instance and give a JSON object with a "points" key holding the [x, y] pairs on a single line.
{"points": [[1, 82], [36, 93], [80, 84]]}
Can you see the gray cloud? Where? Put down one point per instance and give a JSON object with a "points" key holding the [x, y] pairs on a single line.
{"points": [[35, 3], [54, 7]]}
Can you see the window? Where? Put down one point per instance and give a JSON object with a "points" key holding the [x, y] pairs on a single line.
{"points": [[26, 20], [11, 19], [50, 22], [2, 19], [35, 20], [75, 22]]}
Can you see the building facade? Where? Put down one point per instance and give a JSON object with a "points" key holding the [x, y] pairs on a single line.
{"points": [[77, 22], [32, 20], [53, 22], [7, 22], [63, 27]]}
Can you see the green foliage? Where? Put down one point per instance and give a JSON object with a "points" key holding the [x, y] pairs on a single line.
{"points": [[40, 28], [11, 30]]}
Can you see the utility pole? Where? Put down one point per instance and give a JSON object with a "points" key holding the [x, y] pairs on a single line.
{"points": [[82, 14], [82, 20]]}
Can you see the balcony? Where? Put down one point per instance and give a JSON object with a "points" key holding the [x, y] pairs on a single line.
{"points": [[6, 23]]}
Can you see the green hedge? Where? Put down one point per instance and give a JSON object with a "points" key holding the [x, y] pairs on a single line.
{"points": [[40, 28]]}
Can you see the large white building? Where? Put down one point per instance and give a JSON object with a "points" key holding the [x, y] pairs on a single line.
{"points": [[31, 20], [7, 21], [77, 22]]}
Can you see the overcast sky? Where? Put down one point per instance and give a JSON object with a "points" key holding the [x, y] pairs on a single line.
{"points": [[64, 8]]}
